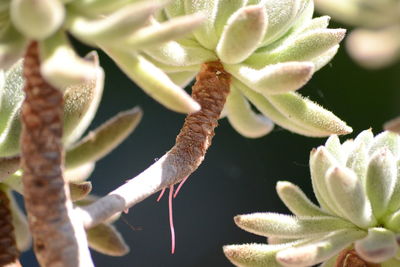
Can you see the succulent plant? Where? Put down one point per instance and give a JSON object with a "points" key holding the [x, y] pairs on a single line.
{"points": [[357, 185], [375, 42], [271, 49], [104, 24], [80, 105]]}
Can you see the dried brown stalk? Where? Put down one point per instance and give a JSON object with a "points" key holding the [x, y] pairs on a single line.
{"points": [[350, 258], [210, 91], [9, 254], [45, 192]]}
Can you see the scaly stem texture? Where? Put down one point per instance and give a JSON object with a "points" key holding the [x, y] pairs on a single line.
{"points": [[9, 254], [210, 91], [45, 193]]}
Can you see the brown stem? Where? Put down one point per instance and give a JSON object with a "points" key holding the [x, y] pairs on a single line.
{"points": [[45, 193], [210, 91], [350, 258], [9, 254]]}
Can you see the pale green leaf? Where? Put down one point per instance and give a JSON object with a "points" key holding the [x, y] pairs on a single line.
{"points": [[105, 239], [243, 118], [154, 82], [348, 193], [247, 24], [378, 246], [274, 224], [296, 201], [104, 139]]}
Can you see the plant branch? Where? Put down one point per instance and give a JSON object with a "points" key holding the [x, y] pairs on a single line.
{"points": [[57, 242], [210, 91], [9, 254]]}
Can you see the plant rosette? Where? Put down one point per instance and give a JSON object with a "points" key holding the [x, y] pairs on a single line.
{"points": [[270, 48], [103, 24], [357, 185], [80, 105], [375, 43]]}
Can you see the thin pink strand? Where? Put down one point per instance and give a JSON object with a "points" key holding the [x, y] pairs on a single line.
{"points": [[171, 219], [161, 194], [180, 186]]}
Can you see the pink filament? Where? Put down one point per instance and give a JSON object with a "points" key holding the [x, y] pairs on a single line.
{"points": [[180, 186], [171, 219], [161, 194]]}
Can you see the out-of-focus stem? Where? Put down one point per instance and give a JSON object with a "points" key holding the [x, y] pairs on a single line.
{"points": [[56, 241], [9, 254], [210, 91]]}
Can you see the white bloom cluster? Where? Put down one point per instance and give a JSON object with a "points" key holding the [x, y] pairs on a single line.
{"points": [[357, 185]]}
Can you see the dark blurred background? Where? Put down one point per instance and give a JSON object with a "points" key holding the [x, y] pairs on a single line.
{"points": [[238, 175]]}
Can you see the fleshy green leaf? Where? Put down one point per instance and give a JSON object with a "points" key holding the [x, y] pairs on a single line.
{"points": [[320, 161], [266, 108], [9, 109], [303, 48], [205, 34], [113, 27], [181, 53], [281, 16], [335, 148], [392, 221], [273, 79], [37, 19], [358, 160], [81, 103], [105, 239], [80, 173], [388, 140], [254, 255], [101, 141], [243, 118], [381, 180], [79, 190], [306, 112], [182, 78], [274, 224], [61, 66], [247, 24], [296, 201], [378, 246], [157, 33], [318, 250], [348, 192], [154, 82], [97, 7], [324, 58], [394, 203], [316, 23]]}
